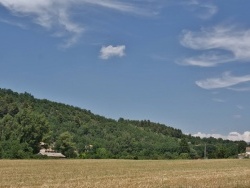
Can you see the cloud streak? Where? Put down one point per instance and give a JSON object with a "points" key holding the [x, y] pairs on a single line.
{"points": [[50, 14], [226, 80], [203, 9], [56, 15], [119, 6], [219, 100], [207, 60], [235, 42], [13, 23], [239, 89], [107, 52]]}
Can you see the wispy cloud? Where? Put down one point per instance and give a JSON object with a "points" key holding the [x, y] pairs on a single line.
{"points": [[158, 57], [107, 52], [231, 136], [239, 89], [210, 59], [226, 80], [56, 15], [119, 6], [219, 100], [50, 14], [237, 116], [240, 107], [235, 44], [204, 10], [10, 22]]}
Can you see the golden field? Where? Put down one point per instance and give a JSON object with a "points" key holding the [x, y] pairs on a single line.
{"points": [[125, 173]]}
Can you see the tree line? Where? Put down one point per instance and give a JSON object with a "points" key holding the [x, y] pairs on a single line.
{"points": [[78, 133]]}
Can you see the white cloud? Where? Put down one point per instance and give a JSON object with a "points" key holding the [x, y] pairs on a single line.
{"points": [[110, 51], [211, 11], [119, 6], [226, 80], [235, 136], [235, 42], [50, 14], [240, 107], [207, 60], [204, 135], [56, 15], [239, 89], [10, 22], [204, 10], [219, 100], [237, 116]]}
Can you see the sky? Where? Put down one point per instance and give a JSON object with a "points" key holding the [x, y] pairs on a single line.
{"points": [[183, 63]]}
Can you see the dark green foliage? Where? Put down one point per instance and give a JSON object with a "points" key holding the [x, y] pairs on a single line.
{"points": [[13, 149], [26, 121], [184, 147], [33, 127], [241, 146], [66, 145]]}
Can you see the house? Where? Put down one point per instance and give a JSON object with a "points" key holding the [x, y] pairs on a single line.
{"points": [[45, 151], [248, 150], [50, 153], [245, 155]]}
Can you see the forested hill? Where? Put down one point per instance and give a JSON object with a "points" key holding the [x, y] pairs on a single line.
{"points": [[26, 121]]}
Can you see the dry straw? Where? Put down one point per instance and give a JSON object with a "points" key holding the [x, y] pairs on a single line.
{"points": [[125, 173]]}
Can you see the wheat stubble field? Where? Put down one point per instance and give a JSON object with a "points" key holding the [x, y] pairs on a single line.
{"points": [[124, 173]]}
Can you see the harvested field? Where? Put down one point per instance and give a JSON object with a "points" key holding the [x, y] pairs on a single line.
{"points": [[124, 173]]}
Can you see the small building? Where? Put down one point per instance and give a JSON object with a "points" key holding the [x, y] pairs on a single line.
{"points": [[51, 153], [47, 151], [245, 155], [248, 151]]}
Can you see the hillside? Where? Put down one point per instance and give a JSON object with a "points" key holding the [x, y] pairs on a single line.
{"points": [[78, 133]]}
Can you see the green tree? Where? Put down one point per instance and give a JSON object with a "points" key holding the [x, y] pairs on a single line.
{"points": [[13, 149], [184, 147], [66, 145], [102, 153], [32, 128], [241, 146]]}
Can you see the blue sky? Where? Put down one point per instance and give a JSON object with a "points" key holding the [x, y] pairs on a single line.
{"points": [[184, 63]]}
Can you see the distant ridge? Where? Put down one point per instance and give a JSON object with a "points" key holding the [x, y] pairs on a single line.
{"points": [[78, 133]]}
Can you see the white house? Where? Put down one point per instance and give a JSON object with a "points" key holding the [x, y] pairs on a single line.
{"points": [[51, 153], [245, 155], [248, 151]]}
